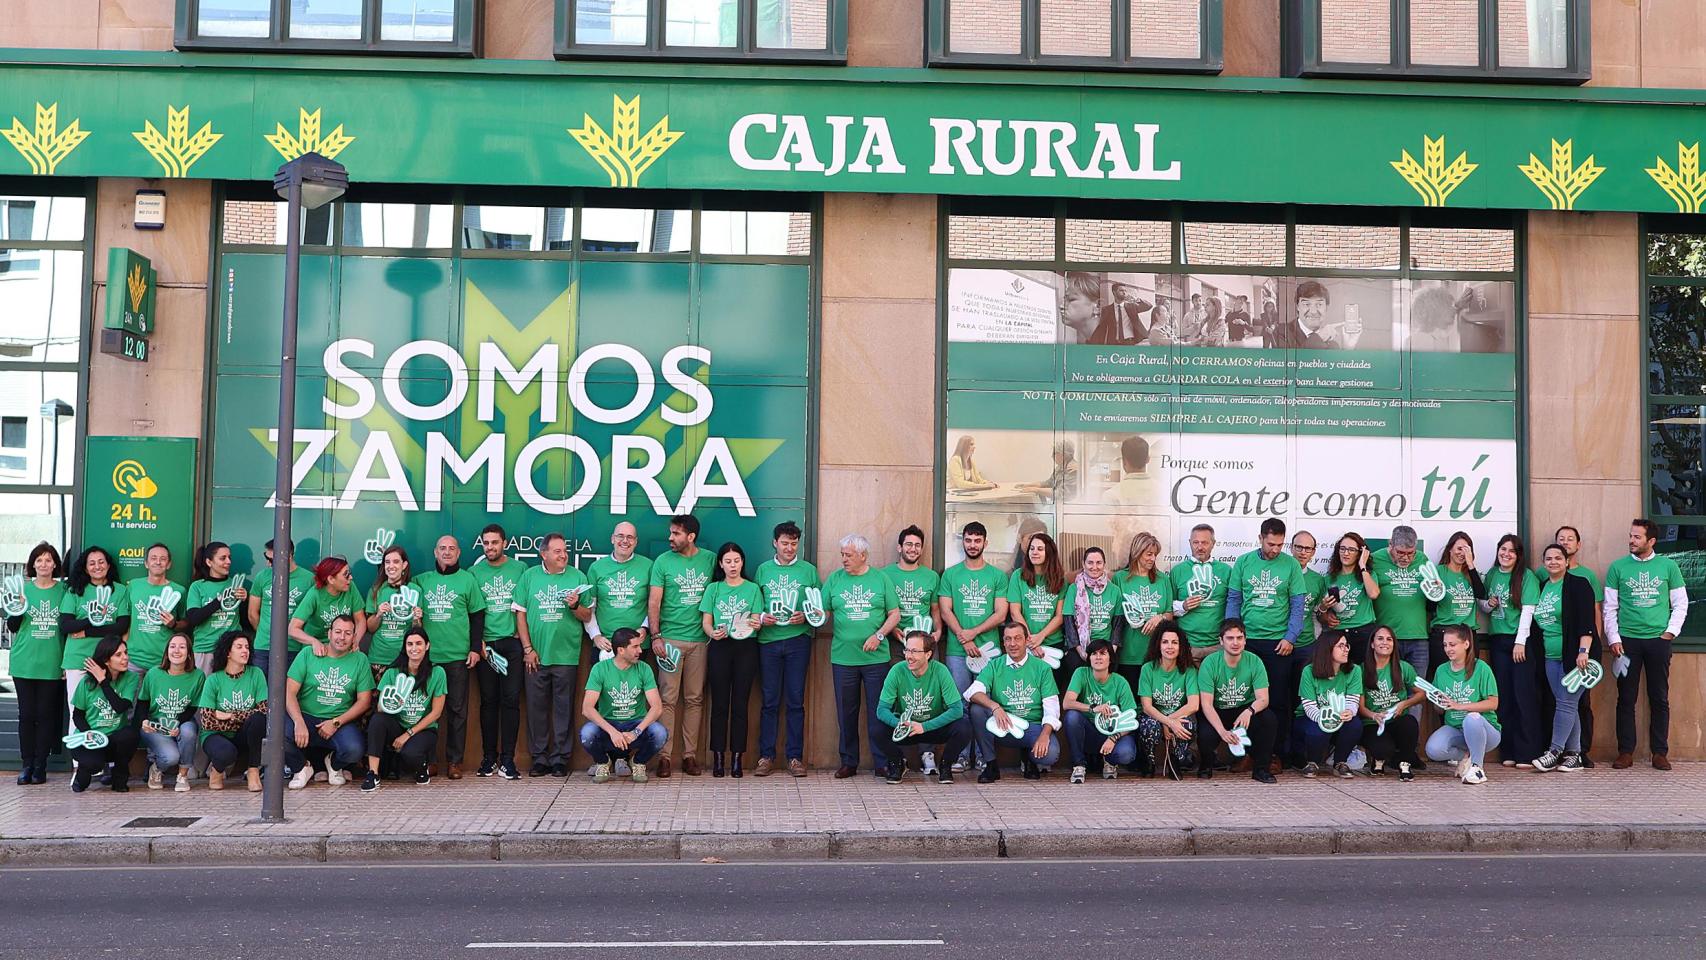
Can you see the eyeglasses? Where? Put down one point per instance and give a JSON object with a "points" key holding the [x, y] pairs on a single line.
{"points": [[1348, 548]]}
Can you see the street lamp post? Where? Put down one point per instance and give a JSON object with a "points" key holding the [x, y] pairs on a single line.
{"points": [[308, 182]]}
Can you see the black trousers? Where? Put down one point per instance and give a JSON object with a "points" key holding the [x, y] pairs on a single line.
{"points": [[236, 752], [1070, 661], [413, 757], [1436, 648], [500, 701], [455, 718], [1262, 729], [1397, 743], [731, 667], [1651, 656], [41, 718], [121, 746], [956, 735], [1359, 638]]}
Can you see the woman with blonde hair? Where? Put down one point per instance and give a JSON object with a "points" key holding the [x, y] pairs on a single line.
{"points": [[962, 472], [1146, 601]]}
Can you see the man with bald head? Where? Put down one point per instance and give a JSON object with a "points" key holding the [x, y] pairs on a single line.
{"points": [[453, 611], [500, 692], [619, 588]]}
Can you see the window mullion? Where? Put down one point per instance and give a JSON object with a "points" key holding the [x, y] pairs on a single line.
{"points": [[654, 25], [1489, 38], [746, 21], [1399, 51], [1030, 30]]}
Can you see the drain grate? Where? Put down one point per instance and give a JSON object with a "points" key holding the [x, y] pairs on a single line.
{"points": [[150, 822]]}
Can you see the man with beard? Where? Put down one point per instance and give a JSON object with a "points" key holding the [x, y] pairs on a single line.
{"points": [[678, 583], [453, 612], [500, 693], [784, 648], [1267, 592], [973, 597], [915, 587]]}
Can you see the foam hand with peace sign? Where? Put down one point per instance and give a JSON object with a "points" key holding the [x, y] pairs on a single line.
{"points": [[12, 596], [91, 739], [813, 607], [228, 598], [499, 662], [396, 693], [404, 602], [1113, 725], [100, 606], [165, 602], [373, 551]]}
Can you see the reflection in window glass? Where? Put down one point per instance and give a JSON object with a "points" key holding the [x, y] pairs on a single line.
{"points": [[1000, 238], [793, 24], [263, 222], [1534, 33], [1674, 455], [1166, 29], [1686, 544], [621, 22], [1442, 248], [41, 306], [517, 228], [47, 451], [983, 26], [1356, 31], [620, 230], [27, 519], [1235, 244], [427, 21], [1075, 28], [396, 224], [325, 19], [1676, 341], [1347, 247], [1676, 255], [234, 18], [701, 23], [754, 232], [1445, 33], [1119, 241], [34, 219]]}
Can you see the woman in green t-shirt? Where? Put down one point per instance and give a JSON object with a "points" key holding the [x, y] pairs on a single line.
{"points": [[168, 702], [1471, 702], [104, 707], [1321, 730], [333, 595], [233, 712], [729, 613], [1167, 690], [1146, 602], [406, 722], [1348, 602], [1034, 591], [1090, 610], [1097, 691], [1389, 730], [214, 601], [1564, 613], [1464, 592], [95, 606], [1512, 591], [390, 617], [32, 617]]}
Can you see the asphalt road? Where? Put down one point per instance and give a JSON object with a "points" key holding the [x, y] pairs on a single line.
{"points": [[1615, 907]]}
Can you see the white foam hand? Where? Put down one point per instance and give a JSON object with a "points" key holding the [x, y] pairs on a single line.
{"points": [[813, 607], [1050, 656], [373, 551], [392, 698], [1112, 725], [12, 596], [986, 652], [1016, 726], [100, 606], [1243, 741]]}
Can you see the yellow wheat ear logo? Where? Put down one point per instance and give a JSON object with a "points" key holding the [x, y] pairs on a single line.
{"points": [[1432, 178], [625, 155], [1684, 184], [308, 138], [138, 286], [46, 145], [177, 151], [1562, 182]]}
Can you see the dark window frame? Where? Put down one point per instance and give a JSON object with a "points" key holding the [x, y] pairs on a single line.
{"points": [[465, 41], [1210, 24], [1300, 28], [746, 51]]}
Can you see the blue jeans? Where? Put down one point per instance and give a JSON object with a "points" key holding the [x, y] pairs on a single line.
{"points": [[599, 745], [1566, 716], [166, 751], [1415, 653], [782, 668], [1317, 744], [964, 678], [262, 660], [1086, 741], [986, 740], [348, 745], [1473, 739], [848, 681]]}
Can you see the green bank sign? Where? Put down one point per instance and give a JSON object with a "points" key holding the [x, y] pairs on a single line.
{"points": [[850, 129]]}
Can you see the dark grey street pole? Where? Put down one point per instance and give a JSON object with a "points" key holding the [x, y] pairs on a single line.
{"points": [[308, 182]]}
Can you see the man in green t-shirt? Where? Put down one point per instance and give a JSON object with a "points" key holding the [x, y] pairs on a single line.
{"points": [[678, 583], [500, 692], [862, 608], [1234, 690], [1199, 592], [300, 581], [1314, 588], [1570, 539], [622, 708], [552, 611], [915, 587], [1646, 603], [325, 699], [972, 603], [1016, 684], [151, 618], [453, 613], [920, 693], [784, 648], [621, 587], [1267, 593]]}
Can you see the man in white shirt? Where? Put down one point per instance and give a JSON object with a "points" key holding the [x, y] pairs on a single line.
{"points": [[1645, 606], [1016, 689]]}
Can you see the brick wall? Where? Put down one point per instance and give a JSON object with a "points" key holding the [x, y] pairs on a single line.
{"points": [[1080, 28], [1445, 32], [983, 26], [1119, 241], [1356, 31], [1235, 244], [252, 221], [808, 25], [1167, 29]]}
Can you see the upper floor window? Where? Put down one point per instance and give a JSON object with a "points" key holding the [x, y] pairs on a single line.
{"points": [[1531, 40], [1173, 35], [416, 27], [799, 30]]}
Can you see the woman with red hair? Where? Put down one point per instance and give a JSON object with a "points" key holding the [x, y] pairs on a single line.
{"points": [[333, 594]]}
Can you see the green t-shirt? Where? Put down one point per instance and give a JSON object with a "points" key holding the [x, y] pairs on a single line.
{"points": [[385, 633], [1208, 580], [231, 694], [621, 693], [1458, 607], [168, 694], [497, 587], [857, 606], [972, 595], [418, 702], [148, 636], [1167, 690], [1116, 691], [447, 599], [620, 591], [1140, 600], [1400, 605], [1359, 609], [97, 711], [1036, 604], [224, 618], [330, 684], [1643, 594], [683, 580], [79, 649], [1019, 690], [552, 628], [301, 581], [1104, 606], [726, 603], [1314, 588], [1311, 687], [785, 587], [1586, 573], [916, 590], [1381, 697], [928, 697], [1266, 588], [1232, 687], [1507, 619], [1549, 617], [319, 608], [1477, 687], [38, 648]]}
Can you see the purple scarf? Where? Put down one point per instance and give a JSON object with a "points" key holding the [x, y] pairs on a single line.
{"points": [[1081, 607]]}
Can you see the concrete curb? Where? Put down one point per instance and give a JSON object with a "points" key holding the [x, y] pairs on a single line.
{"points": [[1115, 843]]}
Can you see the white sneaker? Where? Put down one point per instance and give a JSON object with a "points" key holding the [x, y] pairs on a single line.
{"points": [[300, 778], [334, 776], [183, 784], [958, 767], [1463, 767], [927, 760], [1110, 772], [154, 778], [1475, 775], [1077, 774], [601, 773]]}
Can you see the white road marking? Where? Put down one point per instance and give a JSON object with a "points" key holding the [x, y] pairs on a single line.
{"points": [[636, 944]]}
